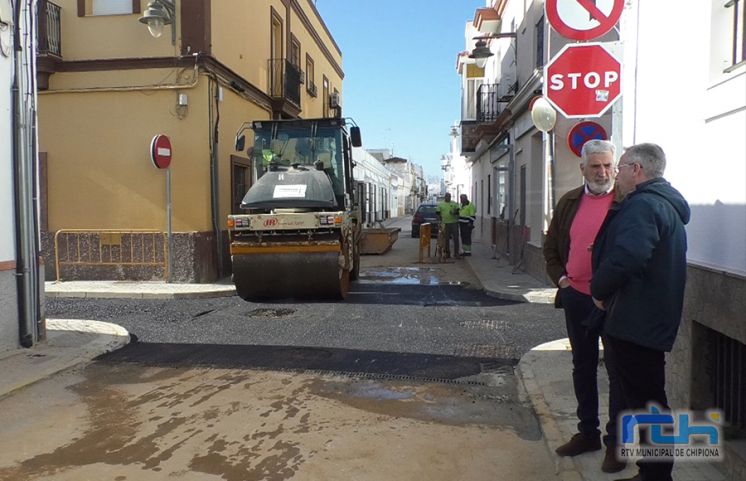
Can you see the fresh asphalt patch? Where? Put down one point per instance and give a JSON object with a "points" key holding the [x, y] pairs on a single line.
{"points": [[415, 366], [445, 294]]}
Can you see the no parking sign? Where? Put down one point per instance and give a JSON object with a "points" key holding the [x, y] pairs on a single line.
{"points": [[582, 133]]}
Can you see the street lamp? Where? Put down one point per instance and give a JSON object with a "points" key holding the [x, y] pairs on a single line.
{"points": [[157, 14], [482, 52]]}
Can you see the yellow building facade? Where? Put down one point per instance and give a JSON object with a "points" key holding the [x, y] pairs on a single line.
{"points": [[107, 87]]}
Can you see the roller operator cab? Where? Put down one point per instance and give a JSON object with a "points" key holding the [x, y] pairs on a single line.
{"points": [[300, 235]]}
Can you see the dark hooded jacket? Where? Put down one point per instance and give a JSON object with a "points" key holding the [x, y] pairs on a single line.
{"points": [[639, 265]]}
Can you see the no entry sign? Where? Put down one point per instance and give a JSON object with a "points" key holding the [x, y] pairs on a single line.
{"points": [[160, 151], [582, 80], [582, 133], [583, 19]]}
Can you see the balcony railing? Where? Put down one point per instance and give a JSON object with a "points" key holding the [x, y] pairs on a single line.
{"points": [[49, 28], [284, 80], [487, 105]]}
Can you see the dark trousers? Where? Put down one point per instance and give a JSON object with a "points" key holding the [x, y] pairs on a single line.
{"points": [[452, 233], [466, 228], [642, 375], [584, 342]]}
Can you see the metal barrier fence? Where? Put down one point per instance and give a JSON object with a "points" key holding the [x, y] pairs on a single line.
{"points": [[110, 247]]}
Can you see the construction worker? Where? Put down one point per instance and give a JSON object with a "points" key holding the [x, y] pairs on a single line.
{"points": [[448, 211], [466, 219]]}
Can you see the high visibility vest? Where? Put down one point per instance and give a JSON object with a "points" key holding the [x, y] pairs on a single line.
{"points": [[468, 213]]}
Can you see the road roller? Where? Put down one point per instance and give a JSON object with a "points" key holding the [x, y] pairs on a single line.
{"points": [[299, 237]]}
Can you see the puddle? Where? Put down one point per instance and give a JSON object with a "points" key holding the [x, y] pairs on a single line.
{"points": [[413, 276]]}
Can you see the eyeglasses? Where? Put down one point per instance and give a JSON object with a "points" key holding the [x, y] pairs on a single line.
{"points": [[627, 164]]}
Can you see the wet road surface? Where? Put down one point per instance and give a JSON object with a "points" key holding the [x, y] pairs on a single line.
{"points": [[411, 378]]}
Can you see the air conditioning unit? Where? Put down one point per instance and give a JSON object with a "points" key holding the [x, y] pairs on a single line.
{"points": [[334, 100]]}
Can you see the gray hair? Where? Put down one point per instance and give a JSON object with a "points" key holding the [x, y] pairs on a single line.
{"points": [[596, 146], [651, 158]]}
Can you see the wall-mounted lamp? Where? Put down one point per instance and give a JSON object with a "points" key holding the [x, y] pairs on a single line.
{"points": [[158, 14], [481, 52]]}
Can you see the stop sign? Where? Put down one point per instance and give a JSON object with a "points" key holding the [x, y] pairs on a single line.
{"points": [[582, 80]]}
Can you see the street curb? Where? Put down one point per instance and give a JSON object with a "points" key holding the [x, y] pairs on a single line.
{"points": [[565, 468], [538, 297], [228, 292], [70, 343]]}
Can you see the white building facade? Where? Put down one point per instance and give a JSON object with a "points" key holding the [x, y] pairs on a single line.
{"points": [[378, 187]]}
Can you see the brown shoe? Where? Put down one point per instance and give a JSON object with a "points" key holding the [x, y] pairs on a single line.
{"points": [[580, 443], [611, 463]]}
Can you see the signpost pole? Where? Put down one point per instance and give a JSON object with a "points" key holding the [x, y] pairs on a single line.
{"points": [[170, 239]]}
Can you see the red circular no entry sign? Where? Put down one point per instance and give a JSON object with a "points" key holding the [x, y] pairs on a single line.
{"points": [[583, 19], [160, 151]]}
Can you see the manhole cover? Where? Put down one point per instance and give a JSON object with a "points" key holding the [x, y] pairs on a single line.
{"points": [[484, 324], [264, 312]]}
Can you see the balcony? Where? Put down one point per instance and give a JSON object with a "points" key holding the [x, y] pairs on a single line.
{"points": [[487, 104], [489, 98], [50, 45], [284, 87]]}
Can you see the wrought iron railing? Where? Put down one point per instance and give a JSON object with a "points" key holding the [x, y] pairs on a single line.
{"points": [[50, 36], [284, 80], [487, 102]]}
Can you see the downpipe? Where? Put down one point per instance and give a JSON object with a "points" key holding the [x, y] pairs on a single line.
{"points": [[214, 175], [27, 253]]}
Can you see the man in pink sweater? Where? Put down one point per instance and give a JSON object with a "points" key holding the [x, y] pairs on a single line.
{"points": [[567, 252]]}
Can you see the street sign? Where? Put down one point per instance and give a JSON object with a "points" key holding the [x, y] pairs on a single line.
{"points": [[582, 133], [583, 19], [160, 151], [582, 80]]}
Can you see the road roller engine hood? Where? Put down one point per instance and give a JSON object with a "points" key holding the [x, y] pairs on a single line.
{"points": [[298, 188]]}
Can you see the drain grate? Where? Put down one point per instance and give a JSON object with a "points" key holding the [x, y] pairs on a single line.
{"points": [[492, 351], [264, 312]]}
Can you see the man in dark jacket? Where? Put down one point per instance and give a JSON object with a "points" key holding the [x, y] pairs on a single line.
{"points": [[639, 273], [576, 221]]}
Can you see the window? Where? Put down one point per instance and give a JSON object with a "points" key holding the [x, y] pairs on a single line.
{"points": [[240, 181], [325, 94], [275, 52], [489, 194], [108, 7], [540, 42], [295, 51], [310, 82], [472, 88], [738, 39]]}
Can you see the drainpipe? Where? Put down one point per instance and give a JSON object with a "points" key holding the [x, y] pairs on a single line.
{"points": [[214, 179], [23, 120]]}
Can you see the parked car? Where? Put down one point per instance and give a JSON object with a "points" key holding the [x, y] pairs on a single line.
{"points": [[425, 213]]}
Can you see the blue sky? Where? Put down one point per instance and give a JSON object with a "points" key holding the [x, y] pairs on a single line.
{"points": [[399, 59]]}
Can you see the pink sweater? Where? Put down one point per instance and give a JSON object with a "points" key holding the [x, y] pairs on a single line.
{"points": [[591, 214]]}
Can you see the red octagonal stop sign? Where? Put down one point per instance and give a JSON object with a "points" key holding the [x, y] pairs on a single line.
{"points": [[582, 80]]}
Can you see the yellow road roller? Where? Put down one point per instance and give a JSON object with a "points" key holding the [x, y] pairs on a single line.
{"points": [[300, 235]]}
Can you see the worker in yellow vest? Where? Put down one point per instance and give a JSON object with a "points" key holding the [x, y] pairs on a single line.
{"points": [[447, 212], [466, 219]]}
